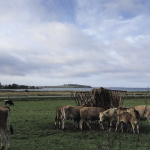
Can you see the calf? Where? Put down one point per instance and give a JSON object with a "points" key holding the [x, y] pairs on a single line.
{"points": [[4, 111], [130, 116], [89, 113]]}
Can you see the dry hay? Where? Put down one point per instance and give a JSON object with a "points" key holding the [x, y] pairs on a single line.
{"points": [[99, 97]]}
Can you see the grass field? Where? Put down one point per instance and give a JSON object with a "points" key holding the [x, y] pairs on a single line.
{"points": [[33, 123]]}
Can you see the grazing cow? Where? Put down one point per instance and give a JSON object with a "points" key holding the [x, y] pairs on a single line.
{"points": [[8, 102], [89, 113], [129, 116], [4, 111], [70, 112], [109, 115]]}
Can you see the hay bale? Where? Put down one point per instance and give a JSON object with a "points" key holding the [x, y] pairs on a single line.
{"points": [[100, 97]]}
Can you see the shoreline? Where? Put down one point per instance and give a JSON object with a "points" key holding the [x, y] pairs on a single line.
{"points": [[7, 93]]}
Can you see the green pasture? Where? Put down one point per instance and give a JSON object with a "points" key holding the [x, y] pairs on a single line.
{"points": [[33, 123]]}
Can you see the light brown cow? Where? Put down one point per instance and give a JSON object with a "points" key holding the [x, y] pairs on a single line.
{"points": [[4, 111], [130, 116], [57, 118], [70, 112], [109, 115], [144, 112], [89, 113]]}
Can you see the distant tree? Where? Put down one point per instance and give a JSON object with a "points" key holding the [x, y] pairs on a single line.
{"points": [[5, 86], [0, 85], [9, 86], [14, 86], [32, 87]]}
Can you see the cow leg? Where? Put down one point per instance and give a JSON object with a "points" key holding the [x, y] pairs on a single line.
{"points": [[76, 123], [7, 138], [101, 125], [122, 126], [81, 123], [2, 139], [88, 124], [63, 123], [56, 121], [133, 127], [138, 129], [59, 123], [7, 141], [110, 126], [148, 118], [117, 124], [131, 130], [128, 127]]}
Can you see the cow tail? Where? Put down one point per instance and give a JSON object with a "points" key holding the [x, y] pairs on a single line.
{"points": [[63, 113], [11, 128], [57, 115]]}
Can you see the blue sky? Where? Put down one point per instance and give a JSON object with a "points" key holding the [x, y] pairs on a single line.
{"points": [[54, 42]]}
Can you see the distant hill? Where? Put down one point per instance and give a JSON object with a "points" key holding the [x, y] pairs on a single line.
{"points": [[69, 86]]}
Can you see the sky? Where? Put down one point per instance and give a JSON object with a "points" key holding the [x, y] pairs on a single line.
{"points": [[101, 43]]}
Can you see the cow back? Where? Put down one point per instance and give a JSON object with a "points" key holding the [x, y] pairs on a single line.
{"points": [[90, 113]]}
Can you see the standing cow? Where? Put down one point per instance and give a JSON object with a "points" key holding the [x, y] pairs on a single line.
{"points": [[89, 113], [70, 112], [57, 118], [4, 111], [110, 115], [128, 116], [144, 112]]}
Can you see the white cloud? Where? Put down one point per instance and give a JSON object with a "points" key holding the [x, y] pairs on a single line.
{"points": [[106, 41]]}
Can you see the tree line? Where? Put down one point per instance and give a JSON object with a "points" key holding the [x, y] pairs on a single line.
{"points": [[16, 86]]}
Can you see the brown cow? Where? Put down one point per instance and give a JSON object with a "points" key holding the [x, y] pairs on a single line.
{"points": [[4, 111], [144, 112], [57, 118], [89, 113], [70, 112], [129, 116], [109, 115]]}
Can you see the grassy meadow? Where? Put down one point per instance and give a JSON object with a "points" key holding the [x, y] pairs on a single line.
{"points": [[33, 123]]}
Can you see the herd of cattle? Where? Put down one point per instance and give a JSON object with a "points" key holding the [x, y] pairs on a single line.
{"points": [[130, 116]]}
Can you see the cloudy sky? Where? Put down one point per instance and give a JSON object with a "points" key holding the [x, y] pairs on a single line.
{"points": [[92, 42]]}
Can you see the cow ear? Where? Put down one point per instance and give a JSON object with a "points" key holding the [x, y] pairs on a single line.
{"points": [[106, 114], [130, 110]]}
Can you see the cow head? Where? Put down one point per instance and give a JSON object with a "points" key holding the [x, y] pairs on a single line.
{"points": [[102, 116], [130, 110]]}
